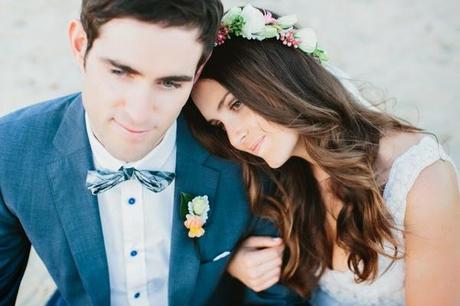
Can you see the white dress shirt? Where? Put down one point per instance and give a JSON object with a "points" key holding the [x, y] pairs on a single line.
{"points": [[136, 224]]}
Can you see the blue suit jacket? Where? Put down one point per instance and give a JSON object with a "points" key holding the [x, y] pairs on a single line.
{"points": [[44, 158]]}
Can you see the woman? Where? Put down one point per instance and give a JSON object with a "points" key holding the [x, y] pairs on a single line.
{"points": [[367, 205]]}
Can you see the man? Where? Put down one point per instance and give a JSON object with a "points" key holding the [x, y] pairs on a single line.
{"points": [[74, 178]]}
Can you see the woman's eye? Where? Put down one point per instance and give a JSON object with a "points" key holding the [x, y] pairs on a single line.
{"points": [[236, 105], [218, 124], [221, 126]]}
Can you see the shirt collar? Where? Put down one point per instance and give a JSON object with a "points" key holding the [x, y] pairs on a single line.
{"points": [[154, 160]]}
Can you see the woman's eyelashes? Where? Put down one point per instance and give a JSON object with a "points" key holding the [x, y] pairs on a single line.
{"points": [[218, 124], [235, 105]]}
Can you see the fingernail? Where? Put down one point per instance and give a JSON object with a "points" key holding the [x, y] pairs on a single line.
{"points": [[276, 239]]}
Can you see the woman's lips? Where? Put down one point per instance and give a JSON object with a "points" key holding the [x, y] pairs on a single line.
{"points": [[255, 148]]}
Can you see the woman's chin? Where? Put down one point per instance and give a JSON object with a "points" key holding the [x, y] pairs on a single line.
{"points": [[274, 164]]}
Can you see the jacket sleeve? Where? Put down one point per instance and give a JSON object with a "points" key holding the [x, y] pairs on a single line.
{"points": [[231, 291], [14, 254], [278, 294]]}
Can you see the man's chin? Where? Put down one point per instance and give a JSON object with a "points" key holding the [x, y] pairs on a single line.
{"points": [[131, 156], [130, 152]]}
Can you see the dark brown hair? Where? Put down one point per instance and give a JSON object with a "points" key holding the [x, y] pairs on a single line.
{"points": [[202, 14], [342, 136]]}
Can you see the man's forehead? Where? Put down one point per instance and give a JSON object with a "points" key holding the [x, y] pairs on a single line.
{"points": [[146, 47], [134, 28]]}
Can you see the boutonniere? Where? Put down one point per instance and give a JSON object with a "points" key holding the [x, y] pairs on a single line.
{"points": [[194, 212]]}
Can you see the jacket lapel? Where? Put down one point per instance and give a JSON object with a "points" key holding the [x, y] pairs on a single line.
{"points": [[195, 178], [76, 206]]}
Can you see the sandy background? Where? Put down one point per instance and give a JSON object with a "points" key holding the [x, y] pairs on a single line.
{"points": [[409, 49]]}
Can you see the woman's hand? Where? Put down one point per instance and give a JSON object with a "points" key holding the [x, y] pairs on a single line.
{"points": [[257, 263]]}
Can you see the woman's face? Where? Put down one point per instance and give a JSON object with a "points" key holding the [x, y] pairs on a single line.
{"points": [[246, 130]]}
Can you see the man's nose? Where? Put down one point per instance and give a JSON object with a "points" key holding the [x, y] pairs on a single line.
{"points": [[139, 105]]}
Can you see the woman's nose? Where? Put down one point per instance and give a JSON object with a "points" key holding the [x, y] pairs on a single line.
{"points": [[237, 135]]}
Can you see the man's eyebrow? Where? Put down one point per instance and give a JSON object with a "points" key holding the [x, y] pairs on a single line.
{"points": [[221, 102], [121, 66], [176, 78], [132, 71]]}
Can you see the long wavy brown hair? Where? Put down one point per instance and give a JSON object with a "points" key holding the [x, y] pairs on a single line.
{"points": [[342, 136]]}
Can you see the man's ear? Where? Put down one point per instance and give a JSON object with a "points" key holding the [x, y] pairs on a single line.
{"points": [[78, 42], [200, 69]]}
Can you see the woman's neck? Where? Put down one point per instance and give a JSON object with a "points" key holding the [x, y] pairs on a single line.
{"points": [[300, 151]]}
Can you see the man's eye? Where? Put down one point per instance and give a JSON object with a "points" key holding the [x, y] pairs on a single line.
{"points": [[236, 105], [170, 84], [118, 72]]}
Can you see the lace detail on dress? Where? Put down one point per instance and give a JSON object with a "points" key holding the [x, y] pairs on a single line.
{"points": [[405, 170], [388, 288]]}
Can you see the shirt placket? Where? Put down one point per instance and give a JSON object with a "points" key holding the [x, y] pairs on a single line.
{"points": [[133, 242]]}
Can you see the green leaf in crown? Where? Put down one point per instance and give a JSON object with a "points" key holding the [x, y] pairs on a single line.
{"points": [[237, 25]]}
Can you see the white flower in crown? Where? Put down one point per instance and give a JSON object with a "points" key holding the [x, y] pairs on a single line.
{"points": [[231, 15], [269, 32], [286, 22], [307, 40], [254, 22]]}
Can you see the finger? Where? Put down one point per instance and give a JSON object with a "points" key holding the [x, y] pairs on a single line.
{"points": [[268, 284], [267, 269], [274, 273], [268, 254], [256, 258], [262, 242], [268, 281]]}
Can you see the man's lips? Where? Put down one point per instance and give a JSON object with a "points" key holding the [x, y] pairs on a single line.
{"points": [[129, 129], [256, 146]]}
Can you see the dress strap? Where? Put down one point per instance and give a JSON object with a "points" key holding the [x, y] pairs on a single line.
{"points": [[405, 170]]}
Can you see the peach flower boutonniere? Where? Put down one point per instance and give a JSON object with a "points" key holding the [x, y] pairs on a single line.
{"points": [[194, 210]]}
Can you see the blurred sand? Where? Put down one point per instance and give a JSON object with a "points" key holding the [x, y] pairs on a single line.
{"points": [[409, 49]]}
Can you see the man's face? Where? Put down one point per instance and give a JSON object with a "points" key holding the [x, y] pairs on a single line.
{"points": [[136, 79]]}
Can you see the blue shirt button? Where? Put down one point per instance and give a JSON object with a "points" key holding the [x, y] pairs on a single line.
{"points": [[137, 295], [133, 253], [132, 201]]}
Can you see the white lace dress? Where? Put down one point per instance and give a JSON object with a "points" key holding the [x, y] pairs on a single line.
{"points": [[338, 288]]}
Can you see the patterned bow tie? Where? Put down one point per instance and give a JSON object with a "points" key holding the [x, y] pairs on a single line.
{"points": [[99, 181]]}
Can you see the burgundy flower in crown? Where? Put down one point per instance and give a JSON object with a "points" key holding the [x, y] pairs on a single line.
{"points": [[250, 23], [222, 35]]}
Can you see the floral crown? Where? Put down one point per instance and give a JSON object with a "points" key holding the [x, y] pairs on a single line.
{"points": [[250, 23]]}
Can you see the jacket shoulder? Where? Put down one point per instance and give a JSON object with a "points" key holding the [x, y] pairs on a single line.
{"points": [[37, 111], [31, 126]]}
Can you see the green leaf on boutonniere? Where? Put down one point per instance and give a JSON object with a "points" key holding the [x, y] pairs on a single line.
{"points": [[184, 199]]}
